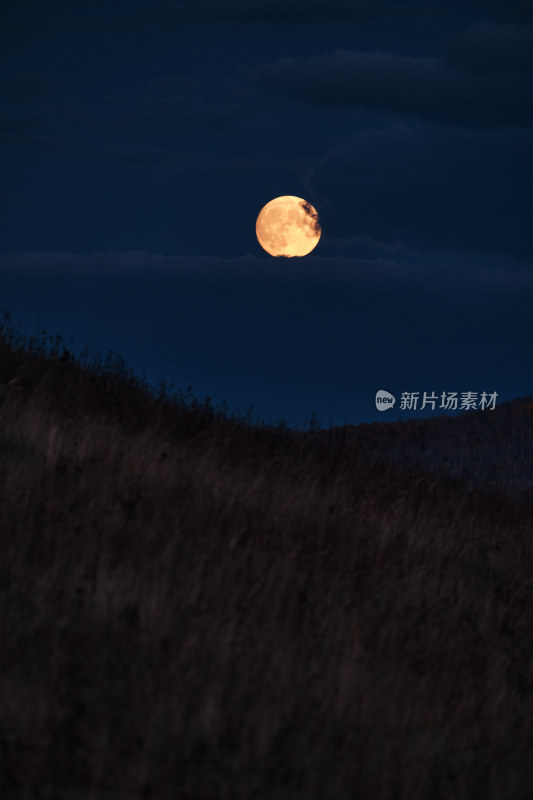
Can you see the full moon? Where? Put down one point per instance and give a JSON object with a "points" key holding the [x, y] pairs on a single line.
{"points": [[288, 226]]}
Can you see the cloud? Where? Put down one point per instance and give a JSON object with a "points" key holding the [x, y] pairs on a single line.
{"points": [[177, 107], [430, 188], [166, 127], [99, 15], [316, 334], [486, 47], [387, 82], [176, 115], [32, 17], [300, 11], [170, 110], [254, 327], [397, 267]]}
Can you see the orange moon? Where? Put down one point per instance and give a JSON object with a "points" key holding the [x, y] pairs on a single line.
{"points": [[288, 226]]}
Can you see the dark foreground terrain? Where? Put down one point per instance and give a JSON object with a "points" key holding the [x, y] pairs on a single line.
{"points": [[199, 608]]}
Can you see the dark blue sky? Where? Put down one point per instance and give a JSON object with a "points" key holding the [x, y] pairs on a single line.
{"points": [[140, 141]]}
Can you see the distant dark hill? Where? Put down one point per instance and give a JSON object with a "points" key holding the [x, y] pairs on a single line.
{"points": [[491, 449], [195, 607]]}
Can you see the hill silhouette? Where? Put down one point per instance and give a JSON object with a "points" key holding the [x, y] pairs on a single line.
{"points": [[487, 449], [198, 606]]}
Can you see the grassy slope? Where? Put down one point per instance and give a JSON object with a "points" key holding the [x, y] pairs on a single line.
{"points": [[196, 608], [491, 448]]}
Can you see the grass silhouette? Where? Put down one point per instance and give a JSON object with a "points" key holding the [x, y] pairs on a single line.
{"points": [[197, 606]]}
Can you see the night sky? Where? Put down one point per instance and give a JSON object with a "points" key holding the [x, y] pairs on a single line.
{"points": [[140, 141]]}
